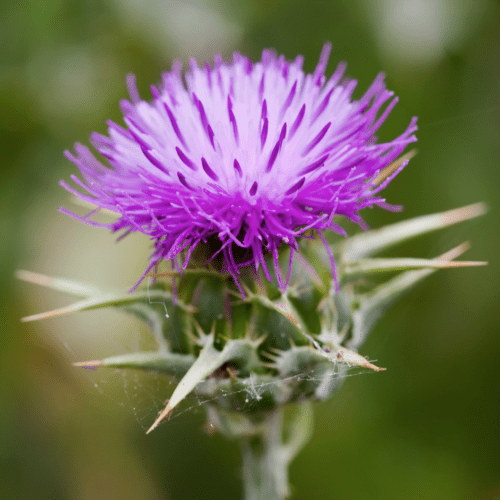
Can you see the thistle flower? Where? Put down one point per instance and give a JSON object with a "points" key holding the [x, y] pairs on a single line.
{"points": [[240, 160]]}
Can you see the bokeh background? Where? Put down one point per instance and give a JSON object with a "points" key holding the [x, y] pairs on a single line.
{"points": [[428, 427]]}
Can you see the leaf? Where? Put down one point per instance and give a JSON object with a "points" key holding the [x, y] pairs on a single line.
{"points": [[375, 304], [163, 362], [116, 299], [365, 266], [72, 287], [366, 244], [208, 361]]}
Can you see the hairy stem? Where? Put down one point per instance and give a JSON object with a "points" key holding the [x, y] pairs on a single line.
{"points": [[269, 443], [265, 469]]}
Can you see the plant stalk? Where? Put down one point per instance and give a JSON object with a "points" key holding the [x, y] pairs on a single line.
{"points": [[269, 443], [265, 466]]}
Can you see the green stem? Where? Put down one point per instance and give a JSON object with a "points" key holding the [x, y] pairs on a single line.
{"points": [[265, 466], [268, 444]]}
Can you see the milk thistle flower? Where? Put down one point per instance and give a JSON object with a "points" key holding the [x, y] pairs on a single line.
{"points": [[234, 167], [243, 158]]}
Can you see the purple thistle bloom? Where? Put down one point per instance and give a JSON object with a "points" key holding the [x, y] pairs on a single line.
{"points": [[253, 155]]}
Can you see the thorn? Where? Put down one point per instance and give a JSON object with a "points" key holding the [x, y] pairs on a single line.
{"points": [[32, 277], [446, 260], [189, 309], [232, 373], [278, 352], [460, 263], [236, 302], [455, 252], [165, 414], [269, 355], [89, 364], [353, 358], [373, 367], [212, 330], [292, 318], [463, 213], [269, 365], [191, 336], [248, 293], [237, 295], [49, 314], [285, 309], [259, 340], [202, 336]]}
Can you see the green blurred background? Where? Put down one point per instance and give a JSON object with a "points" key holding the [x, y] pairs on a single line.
{"points": [[428, 427]]}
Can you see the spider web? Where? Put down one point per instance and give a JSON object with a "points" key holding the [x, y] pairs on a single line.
{"points": [[145, 394]]}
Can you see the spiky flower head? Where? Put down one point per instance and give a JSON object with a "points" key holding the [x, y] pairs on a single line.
{"points": [[240, 159]]}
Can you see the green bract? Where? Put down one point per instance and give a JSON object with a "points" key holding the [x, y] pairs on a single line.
{"points": [[269, 347]]}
